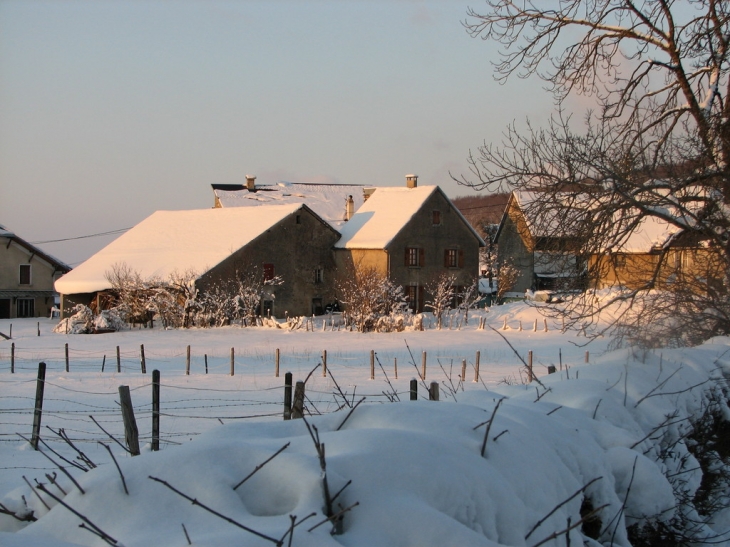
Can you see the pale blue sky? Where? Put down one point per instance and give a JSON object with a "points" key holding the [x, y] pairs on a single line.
{"points": [[110, 110]]}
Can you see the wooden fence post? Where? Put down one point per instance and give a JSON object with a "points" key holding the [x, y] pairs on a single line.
{"points": [[65, 350], [551, 369], [156, 410], [12, 358], [131, 434], [206, 363], [38, 324], [545, 324], [372, 364], [395, 367], [324, 363], [433, 391], [142, 360], [463, 370], [233, 366], [119, 361], [476, 367], [529, 367], [588, 358], [37, 413], [276, 369], [187, 362], [103, 363], [423, 366], [534, 329], [414, 389], [287, 396], [297, 407]]}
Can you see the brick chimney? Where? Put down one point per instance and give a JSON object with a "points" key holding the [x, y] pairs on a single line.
{"points": [[250, 182], [411, 181], [349, 207]]}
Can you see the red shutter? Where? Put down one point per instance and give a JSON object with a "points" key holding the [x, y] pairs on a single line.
{"points": [[421, 257], [461, 258], [407, 262], [420, 299], [446, 258]]}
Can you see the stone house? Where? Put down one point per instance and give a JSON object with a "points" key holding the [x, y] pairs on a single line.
{"points": [[27, 275], [290, 241], [412, 235]]}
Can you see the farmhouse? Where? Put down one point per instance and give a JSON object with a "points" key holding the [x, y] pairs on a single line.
{"points": [[412, 235], [289, 241], [27, 275]]}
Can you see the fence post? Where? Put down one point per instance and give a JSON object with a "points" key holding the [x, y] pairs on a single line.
{"points": [[423, 366], [39, 387], [297, 407], [156, 410], [131, 434], [103, 363], [119, 361], [65, 350], [38, 324], [587, 357], [187, 362], [476, 367], [414, 389], [372, 364], [433, 391], [12, 358], [530, 376], [142, 360], [206, 363], [287, 396], [551, 369], [395, 367], [276, 369], [544, 321], [534, 329], [233, 366], [463, 370], [324, 363]]}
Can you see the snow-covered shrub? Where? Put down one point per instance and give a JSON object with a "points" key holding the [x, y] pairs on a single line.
{"points": [[109, 320], [372, 301], [442, 293], [81, 322]]}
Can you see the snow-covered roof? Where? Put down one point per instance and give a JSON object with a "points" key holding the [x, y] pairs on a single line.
{"points": [[327, 200], [170, 241], [383, 216]]}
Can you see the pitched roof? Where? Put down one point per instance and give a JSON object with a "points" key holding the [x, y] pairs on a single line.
{"points": [[327, 200], [53, 261], [385, 214], [170, 241]]}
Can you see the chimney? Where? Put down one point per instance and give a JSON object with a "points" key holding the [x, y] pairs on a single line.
{"points": [[250, 182], [411, 181], [349, 207]]}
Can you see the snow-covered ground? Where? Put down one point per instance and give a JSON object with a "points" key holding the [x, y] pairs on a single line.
{"points": [[420, 470]]}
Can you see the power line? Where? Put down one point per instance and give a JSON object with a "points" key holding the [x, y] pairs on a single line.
{"points": [[112, 232]]}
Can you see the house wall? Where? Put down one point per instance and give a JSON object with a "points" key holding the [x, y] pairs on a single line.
{"points": [[295, 249], [517, 246], [420, 232], [40, 289]]}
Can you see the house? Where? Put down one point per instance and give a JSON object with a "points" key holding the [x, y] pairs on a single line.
{"points": [[334, 203], [412, 235], [290, 241], [655, 253], [543, 254], [27, 275]]}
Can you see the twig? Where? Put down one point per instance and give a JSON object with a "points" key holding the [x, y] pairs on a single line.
{"points": [[101, 532], [554, 410], [63, 469], [596, 409], [186, 533], [29, 517], [517, 354], [312, 372], [348, 483], [489, 426], [124, 483], [336, 515], [623, 505], [558, 506], [344, 397], [62, 434], [108, 434], [54, 482], [555, 535], [97, 534], [36, 493], [392, 389], [499, 435], [349, 414], [70, 462], [216, 513], [294, 524], [658, 386], [413, 362], [672, 392], [259, 466]]}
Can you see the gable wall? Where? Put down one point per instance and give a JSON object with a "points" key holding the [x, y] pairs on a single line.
{"points": [[515, 244]]}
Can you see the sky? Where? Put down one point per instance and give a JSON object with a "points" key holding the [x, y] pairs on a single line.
{"points": [[111, 110]]}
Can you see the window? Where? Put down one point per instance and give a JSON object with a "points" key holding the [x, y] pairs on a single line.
{"points": [[318, 275], [619, 260], [26, 307], [415, 298], [268, 272], [299, 219], [415, 257], [453, 258], [436, 217], [25, 275]]}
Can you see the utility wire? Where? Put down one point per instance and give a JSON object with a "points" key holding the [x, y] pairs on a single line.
{"points": [[120, 231]]}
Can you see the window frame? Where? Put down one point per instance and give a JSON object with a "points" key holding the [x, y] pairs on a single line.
{"points": [[436, 217], [415, 257], [25, 268]]}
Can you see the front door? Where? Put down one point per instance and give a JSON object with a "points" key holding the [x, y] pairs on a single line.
{"points": [[4, 308]]}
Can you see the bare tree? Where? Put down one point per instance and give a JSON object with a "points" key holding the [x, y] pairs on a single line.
{"points": [[506, 279], [656, 149], [442, 291]]}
